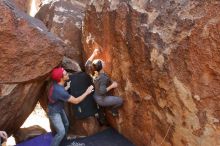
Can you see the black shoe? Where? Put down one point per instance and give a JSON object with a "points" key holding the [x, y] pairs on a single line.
{"points": [[101, 118], [114, 112]]}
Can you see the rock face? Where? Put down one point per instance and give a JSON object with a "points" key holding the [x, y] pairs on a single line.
{"points": [[165, 56], [64, 18], [28, 6], [28, 53], [83, 127], [23, 5]]}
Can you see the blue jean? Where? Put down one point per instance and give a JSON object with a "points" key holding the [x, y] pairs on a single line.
{"points": [[61, 125]]}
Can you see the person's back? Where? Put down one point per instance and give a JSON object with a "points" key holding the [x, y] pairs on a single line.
{"points": [[79, 83], [100, 83]]}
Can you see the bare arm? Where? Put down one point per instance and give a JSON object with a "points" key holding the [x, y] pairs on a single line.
{"points": [[95, 52], [103, 89], [113, 85], [88, 65], [77, 100]]}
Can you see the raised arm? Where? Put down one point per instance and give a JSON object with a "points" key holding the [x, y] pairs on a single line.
{"points": [[88, 64], [94, 54]]}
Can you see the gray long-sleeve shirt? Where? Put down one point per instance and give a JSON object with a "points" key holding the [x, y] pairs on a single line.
{"points": [[101, 82]]}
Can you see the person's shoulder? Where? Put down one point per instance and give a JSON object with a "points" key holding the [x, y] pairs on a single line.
{"points": [[58, 87], [104, 76], [88, 63], [55, 85]]}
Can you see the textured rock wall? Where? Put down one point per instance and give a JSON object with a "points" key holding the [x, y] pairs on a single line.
{"points": [[23, 5], [165, 56], [64, 18], [29, 6], [28, 53]]}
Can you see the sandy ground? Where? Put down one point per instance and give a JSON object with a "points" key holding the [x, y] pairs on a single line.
{"points": [[37, 117]]}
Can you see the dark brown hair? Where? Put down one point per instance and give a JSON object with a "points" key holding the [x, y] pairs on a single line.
{"points": [[97, 65]]}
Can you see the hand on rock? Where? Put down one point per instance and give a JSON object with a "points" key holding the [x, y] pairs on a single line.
{"points": [[114, 84], [96, 51]]}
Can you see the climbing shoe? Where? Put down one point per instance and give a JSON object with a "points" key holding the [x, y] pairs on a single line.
{"points": [[114, 112], [101, 117]]}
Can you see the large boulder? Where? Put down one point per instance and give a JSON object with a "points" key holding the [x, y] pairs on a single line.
{"points": [[165, 56], [83, 127], [28, 53], [64, 18]]}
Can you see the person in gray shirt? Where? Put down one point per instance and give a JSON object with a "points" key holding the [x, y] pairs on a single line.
{"points": [[102, 84]]}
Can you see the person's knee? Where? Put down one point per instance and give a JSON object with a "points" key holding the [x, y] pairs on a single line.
{"points": [[120, 101], [99, 102]]}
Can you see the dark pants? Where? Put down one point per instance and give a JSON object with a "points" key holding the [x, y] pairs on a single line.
{"points": [[61, 124], [107, 101]]}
